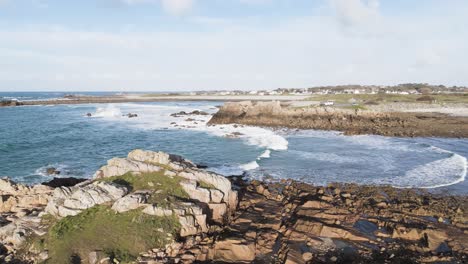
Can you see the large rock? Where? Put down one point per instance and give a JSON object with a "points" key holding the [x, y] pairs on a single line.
{"points": [[149, 157], [71, 201], [217, 181], [119, 166], [141, 161]]}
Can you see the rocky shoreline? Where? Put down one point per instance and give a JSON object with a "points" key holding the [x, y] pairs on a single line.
{"points": [[351, 122], [174, 212]]}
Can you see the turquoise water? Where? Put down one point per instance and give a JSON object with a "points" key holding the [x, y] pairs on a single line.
{"points": [[33, 138]]}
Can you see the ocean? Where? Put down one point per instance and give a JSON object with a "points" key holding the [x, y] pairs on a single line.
{"points": [[34, 138]]}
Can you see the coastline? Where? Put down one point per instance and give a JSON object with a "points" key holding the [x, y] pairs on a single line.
{"points": [[349, 121], [227, 221], [272, 222]]}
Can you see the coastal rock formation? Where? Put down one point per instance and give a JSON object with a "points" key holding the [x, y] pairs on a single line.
{"points": [[155, 189], [18, 198], [218, 195], [292, 222], [68, 201], [5, 103], [406, 124], [173, 212]]}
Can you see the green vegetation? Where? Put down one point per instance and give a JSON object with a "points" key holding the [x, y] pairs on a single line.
{"points": [[163, 186], [389, 98], [121, 236], [206, 185]]}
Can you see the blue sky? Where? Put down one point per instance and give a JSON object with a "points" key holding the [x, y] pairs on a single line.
{"points": [[161, 45]]}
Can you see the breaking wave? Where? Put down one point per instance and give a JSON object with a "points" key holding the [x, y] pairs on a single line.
{"points": [[110, 111]]}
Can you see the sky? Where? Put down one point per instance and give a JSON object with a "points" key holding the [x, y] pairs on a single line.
{"points": [[181, 45]]}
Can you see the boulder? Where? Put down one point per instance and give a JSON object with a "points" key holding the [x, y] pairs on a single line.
{"points": [[120, 166], [70, 201], [149, 157]]}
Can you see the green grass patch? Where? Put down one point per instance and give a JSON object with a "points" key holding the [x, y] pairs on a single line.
{"points": [[155, 181], [122, 236]]}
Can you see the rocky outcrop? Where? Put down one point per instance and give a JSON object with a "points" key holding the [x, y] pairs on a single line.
{"points": [[68, 201], [5, 103], [221, 199], [18, 198], [208, 198], [406, 124], [275, 222], [291, 222], [20, 208]]}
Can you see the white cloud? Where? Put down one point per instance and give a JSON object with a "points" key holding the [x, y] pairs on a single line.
{"points": [[241, 54], [177, 7], [354, 14]]}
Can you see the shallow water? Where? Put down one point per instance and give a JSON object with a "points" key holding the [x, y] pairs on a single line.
{"points": [[33, 138]]}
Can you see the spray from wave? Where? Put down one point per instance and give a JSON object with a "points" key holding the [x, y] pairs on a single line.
{"points": [[110, 111]]}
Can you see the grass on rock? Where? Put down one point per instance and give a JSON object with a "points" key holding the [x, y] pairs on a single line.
{"points": [[123, 236], [163, 186], [206, 185], [120, 235]]}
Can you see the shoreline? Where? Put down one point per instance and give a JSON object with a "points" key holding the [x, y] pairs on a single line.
{"points": [[348, 121], [226, 219]]}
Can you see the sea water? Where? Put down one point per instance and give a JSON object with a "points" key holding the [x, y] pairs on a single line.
{"points": [[34, 138]]}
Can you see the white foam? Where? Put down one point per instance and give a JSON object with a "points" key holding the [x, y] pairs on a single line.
{"points": [[110, 111], [249, 166], [151, 116], [255, 136], [435, 174], [265, 155], [327, 157]]}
